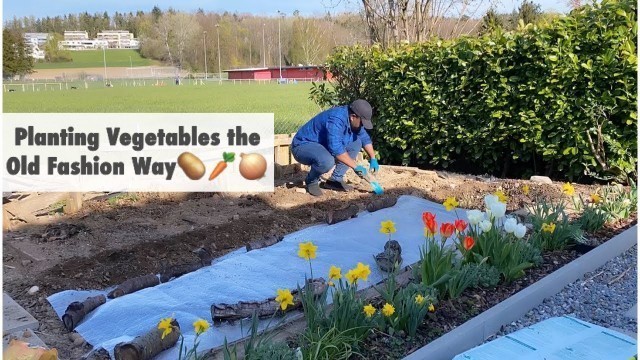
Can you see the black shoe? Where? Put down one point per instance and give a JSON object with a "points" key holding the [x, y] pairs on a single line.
{"points": [[314, 189], [337, 185]]}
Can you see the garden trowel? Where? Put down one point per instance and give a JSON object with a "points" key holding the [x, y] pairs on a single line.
{"points": [[370, 177]]}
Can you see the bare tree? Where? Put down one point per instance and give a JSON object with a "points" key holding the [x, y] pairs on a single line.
{"points": [[393, 21]]}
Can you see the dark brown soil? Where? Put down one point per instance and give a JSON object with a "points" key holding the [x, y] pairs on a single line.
{"points": [[139, 234]]}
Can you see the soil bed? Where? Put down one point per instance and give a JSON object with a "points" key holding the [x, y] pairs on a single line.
{"points": [[138, 234]]}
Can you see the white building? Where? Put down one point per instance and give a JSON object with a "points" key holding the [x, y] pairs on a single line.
{"points": [[35, 42], [119, 39], [76, 35], [82, 44]]}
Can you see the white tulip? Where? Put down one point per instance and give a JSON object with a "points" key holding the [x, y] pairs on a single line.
{"points": [[475, 216], [490, 199], [520, 231], [510, 225], [497, 210], [485, 225]]}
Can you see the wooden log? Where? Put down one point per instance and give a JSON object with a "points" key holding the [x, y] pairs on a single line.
{"points": [[149, 345], [265, 308], [336, 216], [379, 204], [76, 311], [262, 243], [133, 285], [176, 271]]}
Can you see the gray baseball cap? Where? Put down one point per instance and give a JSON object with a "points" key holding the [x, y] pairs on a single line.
{"points": [[363, 109]]}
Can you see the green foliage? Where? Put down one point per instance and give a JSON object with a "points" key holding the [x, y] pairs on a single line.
{"points": [[510, 255], [592, 218], [486, 276], [436, 265], [491, 21], [462, 278], [347, 314], [328, 345], [511, 103], [618, 202], [549, 214], [409, 312], [259, 347], [15, 54]]}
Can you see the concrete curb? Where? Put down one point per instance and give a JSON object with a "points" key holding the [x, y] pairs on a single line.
{"points": [[475, 331]]}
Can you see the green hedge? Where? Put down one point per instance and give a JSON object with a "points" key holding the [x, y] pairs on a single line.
{"points": [[508, 103]]}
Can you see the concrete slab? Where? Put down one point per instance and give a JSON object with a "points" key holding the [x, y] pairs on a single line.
{"points": [[27, 336], [14, 317], [633, 312]]}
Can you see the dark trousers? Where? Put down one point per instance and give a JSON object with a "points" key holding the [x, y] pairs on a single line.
{"points": [[321, 161]]}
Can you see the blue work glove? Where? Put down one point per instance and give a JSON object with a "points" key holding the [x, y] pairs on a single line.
{"points": [[360, 170], [373, 165]]}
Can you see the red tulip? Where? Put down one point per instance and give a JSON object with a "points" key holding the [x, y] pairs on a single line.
{"points": [[447, 229], [468, 243], [429, 222], [461, 225]]}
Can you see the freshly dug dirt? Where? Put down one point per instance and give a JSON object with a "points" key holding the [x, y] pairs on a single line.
{"points": [[138, 234]]}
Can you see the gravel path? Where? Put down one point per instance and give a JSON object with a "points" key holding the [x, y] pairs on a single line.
{"points": [[602, 297]]}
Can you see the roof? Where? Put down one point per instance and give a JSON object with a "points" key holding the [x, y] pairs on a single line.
{"points": [[273, 68]]}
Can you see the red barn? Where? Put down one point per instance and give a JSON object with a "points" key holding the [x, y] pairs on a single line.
{"points": [[302, 73]]}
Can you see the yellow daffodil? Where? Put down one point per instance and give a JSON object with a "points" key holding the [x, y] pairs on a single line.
{"points": [[568, 189], [352, 276], [525, 189], [450, 203], [595, 198], [501, 196], [362, 271], [369, 310], [388, 310], [165, 326], [284, 298], [330, 283], [419, 299], [432, 308], [387, 227], [307, 250], [200, 326], [334, 273], [550, 228]]}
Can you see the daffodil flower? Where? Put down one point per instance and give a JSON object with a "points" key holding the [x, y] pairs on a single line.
{"points": [[307, 250], [450, 203], [369, 310], [387, 227], [200, 326], [165, 326], [284, 298], [388, 310]]}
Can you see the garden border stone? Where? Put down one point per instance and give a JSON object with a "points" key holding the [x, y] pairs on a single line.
{"points": [[475, 331]]}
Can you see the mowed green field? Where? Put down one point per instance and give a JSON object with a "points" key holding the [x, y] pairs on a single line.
{"points": [[94, 58], [289, 103]]}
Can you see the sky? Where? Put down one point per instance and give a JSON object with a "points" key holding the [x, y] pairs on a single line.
{"points": [[40, 8]]}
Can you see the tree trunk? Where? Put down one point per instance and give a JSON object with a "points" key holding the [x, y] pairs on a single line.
{"points": [[336, 216], [149, 345], [76, 311], [384, 203], [133, 285], [265, 308]]}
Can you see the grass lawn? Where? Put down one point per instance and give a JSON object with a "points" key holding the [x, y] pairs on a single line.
{"points": [[94, 58], [290, 103]]}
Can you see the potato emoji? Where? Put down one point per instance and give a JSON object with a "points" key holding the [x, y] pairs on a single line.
{"points": [[191, 165]]}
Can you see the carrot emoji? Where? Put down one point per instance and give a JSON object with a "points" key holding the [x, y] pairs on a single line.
{"points": [[227, 158]]}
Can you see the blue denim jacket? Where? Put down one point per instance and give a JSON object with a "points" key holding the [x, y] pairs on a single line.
{"points": [[331, 129]]}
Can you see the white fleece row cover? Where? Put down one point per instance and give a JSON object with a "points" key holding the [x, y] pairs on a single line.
{"points": [[254, 276]]}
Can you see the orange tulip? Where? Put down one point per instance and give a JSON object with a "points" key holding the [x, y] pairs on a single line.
{"points": [[447, 229], [468, 243], [461, 225], [430, 222]]}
